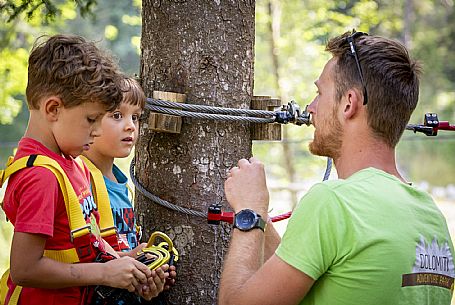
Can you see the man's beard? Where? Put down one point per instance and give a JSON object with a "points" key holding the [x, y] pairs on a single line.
{"points": [[328, 144]]}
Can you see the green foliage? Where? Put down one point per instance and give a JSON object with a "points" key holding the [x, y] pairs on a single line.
{"points": [[17, 37], [6, 233], [49, 10], [305, 26], [115, 25], [13, 75], [29, 8]]}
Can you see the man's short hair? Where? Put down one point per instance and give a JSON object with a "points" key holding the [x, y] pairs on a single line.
{"points": [[391, 78], [74, 69]]}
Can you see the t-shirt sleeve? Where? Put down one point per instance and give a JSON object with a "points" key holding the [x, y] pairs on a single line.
{"points": [[36, 192], [315, 233]]}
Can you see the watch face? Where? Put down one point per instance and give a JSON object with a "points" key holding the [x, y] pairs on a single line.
{"points": [[245, 220]]}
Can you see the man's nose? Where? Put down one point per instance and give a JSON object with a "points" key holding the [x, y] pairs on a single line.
{"points": [[312, 107]]}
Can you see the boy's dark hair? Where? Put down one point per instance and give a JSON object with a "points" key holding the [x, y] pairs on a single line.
{"points": [[132, 92], [391, 78], [73, 69]]}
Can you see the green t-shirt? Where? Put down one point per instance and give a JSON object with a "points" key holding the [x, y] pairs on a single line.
{"points": [[370, 239]]}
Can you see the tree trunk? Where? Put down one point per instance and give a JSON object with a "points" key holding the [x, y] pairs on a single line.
{"points": [[204, 49]]}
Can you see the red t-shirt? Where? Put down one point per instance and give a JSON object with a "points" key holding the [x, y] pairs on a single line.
{"points": [[34, 204]]}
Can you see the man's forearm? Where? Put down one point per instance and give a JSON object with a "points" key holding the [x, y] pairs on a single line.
{"points": [[244, 258], [272, 240]]}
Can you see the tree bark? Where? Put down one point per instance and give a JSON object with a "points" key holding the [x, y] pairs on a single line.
{"points": [[204, 49]]}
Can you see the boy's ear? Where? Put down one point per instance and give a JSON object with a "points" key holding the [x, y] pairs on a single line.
{"points": [[52, 107], [352, 103]]}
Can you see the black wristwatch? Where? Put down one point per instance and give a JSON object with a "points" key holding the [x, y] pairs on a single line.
{"points": [[247, 219]]}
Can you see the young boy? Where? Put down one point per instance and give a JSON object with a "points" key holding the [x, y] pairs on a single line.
{"points": [[71, 85], [120, 129], [119, 134]]}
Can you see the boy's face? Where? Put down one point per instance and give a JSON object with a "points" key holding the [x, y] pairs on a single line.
{"points": [[77, 127], [120, 131]]}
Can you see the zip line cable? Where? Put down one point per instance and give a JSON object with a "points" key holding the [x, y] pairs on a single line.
{"points": [[289, 113], [158, 200]]}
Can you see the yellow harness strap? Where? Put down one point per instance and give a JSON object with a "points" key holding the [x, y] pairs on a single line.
{"points": [[76, 220], [14, 298], [101, 196], [3, 287]]}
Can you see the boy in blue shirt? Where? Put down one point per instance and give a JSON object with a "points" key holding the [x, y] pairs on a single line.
{"points": [[120, 129]]}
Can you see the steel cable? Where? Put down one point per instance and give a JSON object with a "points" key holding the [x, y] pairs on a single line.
{"points": [[211, 109], [218, 117], [158, 200], [214, 113]]}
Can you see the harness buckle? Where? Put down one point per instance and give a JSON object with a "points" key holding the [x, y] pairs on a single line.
{"points": [[82, 243], [110, 235], [76, 232]]}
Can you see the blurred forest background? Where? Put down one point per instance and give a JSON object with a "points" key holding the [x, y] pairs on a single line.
{"points": [[290, 41]]}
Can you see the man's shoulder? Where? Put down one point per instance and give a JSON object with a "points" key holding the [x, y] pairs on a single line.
{"points": [[364, 178], [320, 196], [333, 192]]}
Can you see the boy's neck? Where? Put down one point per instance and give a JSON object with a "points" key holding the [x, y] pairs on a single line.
{"points": [[40, 132], [103, 163]]}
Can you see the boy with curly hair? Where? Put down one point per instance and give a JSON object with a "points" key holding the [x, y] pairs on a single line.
{"points": [[71, 85]]}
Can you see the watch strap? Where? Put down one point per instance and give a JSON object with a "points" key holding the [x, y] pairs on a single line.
{"points": [[261, 223]]}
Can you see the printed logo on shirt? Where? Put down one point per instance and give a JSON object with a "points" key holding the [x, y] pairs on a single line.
{"points": [[128, 217], [433, 265], [124, 219], [88, 205], [125, 223], [123, 239]]}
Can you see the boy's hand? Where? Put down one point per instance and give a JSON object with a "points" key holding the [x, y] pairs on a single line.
{"points": [[155, 283], [133, 253], [126, 273], [170, 281]]}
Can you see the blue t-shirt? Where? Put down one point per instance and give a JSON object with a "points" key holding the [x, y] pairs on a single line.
{"points": [[122, 210]]}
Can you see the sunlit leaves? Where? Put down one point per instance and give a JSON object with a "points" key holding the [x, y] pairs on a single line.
{"points": [[15, 9], [13, 78], [46, 10], [136, 42], [132, 20], [110, 32]]}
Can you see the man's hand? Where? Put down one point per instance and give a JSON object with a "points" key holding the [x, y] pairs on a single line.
{"points": [[246, 187]]}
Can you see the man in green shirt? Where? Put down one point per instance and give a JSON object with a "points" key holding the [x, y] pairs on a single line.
{"points": [[368, 237]]}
